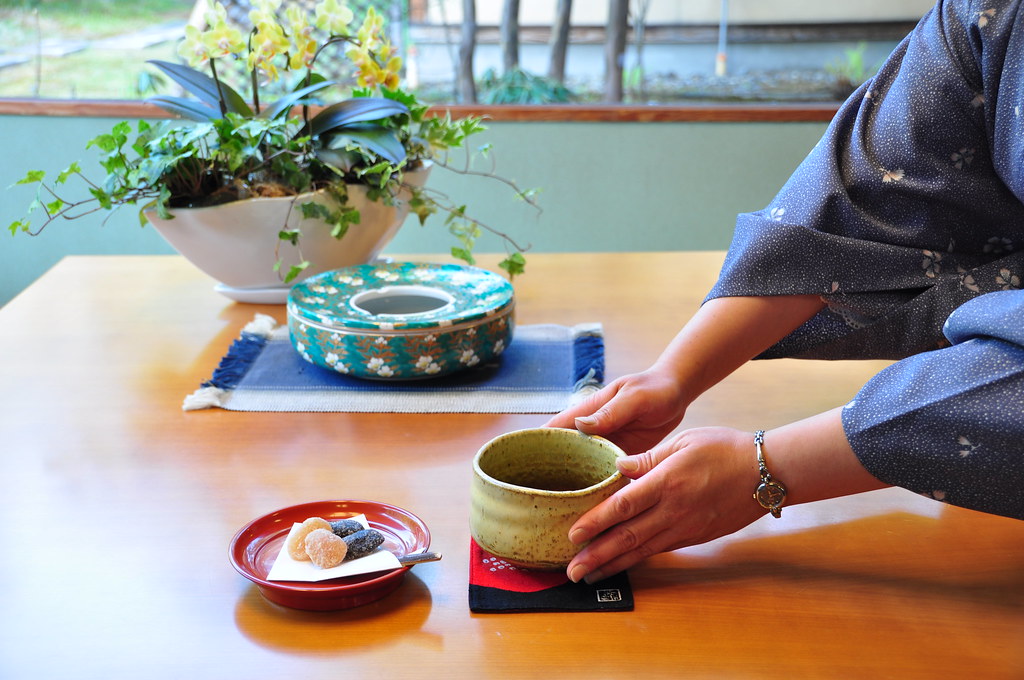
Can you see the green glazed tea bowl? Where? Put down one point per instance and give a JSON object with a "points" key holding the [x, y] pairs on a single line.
{"points": [[530, 486]]}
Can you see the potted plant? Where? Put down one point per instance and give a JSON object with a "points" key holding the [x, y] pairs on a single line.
{"points": [[320, 172]]}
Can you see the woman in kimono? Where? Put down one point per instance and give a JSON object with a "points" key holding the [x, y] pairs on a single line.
{"points": [[900, 236]]}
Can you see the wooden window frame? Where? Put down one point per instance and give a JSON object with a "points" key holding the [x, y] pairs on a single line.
{"points": [[568, 113]]}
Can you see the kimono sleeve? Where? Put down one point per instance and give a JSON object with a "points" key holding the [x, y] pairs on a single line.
{"points": [[949, 424], [910, 205]]}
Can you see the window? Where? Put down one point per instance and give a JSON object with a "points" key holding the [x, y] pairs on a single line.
{"points": [[673, 51]]}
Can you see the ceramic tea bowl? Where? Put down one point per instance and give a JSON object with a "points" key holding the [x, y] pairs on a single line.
{"points": [[530, 486]]}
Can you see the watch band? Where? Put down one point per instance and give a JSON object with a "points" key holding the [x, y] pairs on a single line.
{"points": [[770, 493]]}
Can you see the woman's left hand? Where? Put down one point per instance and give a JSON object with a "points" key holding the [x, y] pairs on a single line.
{"points": [[698, 485], [692, 488]]}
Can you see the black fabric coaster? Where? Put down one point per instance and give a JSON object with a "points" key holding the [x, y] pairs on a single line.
{"points": [[497, 586]]}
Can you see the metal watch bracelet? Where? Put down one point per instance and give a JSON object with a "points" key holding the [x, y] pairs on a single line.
{"points": [[770, 493]]}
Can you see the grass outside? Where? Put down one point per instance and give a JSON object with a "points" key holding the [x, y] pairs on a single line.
{"points": [[22, 22], [28, 27], [89, 74]]}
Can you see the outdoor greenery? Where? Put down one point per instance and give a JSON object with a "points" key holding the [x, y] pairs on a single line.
{"points": [[21, 21], [57, 41], [850, 71], [242, 146], [60, 50]]}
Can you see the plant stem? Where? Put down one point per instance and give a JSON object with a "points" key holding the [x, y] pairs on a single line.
{"points": [[220, 90]]}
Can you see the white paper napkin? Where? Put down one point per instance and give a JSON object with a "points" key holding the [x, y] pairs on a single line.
{"points": [[287, 569]]}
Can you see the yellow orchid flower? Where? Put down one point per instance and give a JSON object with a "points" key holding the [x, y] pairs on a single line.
{"points": [[392, 72], [267, 6], [223, 40], [193, 48], [268, 42], [216, 15], [304, 46], [367, 71], [369, 33], [221, 37], [302, 54], [333, 16], [264, 11]]}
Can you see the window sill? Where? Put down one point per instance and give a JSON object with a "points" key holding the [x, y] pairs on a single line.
{"points": [[695, 113]]}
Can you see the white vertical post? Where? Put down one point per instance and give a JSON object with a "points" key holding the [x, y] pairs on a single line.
{"points": [[721, 57]]}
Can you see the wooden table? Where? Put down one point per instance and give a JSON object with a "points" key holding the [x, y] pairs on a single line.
{"points": [[118, 508]]}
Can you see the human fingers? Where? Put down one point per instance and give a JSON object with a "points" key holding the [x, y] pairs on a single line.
{"points": [[587, 407], [638, 465], [590, 566], [625, 504], [688, 484], [623, 545]]}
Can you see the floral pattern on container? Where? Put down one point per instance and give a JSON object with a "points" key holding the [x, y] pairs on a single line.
{"points": [[462, 317]]}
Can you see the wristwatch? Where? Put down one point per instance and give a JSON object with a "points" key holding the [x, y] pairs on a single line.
{"points": [[770, 493]]}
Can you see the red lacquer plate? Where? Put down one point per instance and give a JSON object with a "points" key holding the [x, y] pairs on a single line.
{"points": [[256, 545]]}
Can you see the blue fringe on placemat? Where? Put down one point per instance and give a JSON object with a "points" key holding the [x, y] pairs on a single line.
{"points": [[236, 363], [242, 354], [588, 368], [545, 369]]}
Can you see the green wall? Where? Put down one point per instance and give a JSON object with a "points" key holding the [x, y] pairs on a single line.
{"points": [[604, 187]]}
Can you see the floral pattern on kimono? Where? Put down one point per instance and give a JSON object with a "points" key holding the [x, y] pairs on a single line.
{"points": [[950, 423], [911, 204], [910, 207]]}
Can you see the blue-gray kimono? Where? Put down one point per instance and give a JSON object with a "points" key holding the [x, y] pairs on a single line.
{"points": [[911, 206]]}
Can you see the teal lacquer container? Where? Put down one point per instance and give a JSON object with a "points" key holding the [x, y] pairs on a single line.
{"points": [[401, 320]]}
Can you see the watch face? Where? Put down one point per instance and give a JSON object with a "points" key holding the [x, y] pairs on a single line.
{"points": [[770, 494]]}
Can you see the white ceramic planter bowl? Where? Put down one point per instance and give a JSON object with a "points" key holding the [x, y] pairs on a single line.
{"points": [[237, 243], [530, 486]]}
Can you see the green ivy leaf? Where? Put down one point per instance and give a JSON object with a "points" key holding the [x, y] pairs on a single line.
{"points": [[463, 254], [32, 177], [295, 271], [514, 264], [340, 229], [73, 169], [102, 197], [313, 210]]}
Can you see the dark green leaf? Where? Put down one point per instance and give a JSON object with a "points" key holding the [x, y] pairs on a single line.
{"points": [[381, 141], [187, 108], [339, 159], [204, 87], [286, 102], [339, 230], [359, 110], [313, 210]]}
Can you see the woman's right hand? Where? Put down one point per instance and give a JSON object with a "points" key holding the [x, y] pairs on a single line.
{"points": [[635, 411]]}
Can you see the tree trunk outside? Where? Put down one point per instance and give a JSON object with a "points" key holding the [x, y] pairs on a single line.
{"points": [[560, 41], [615, 49], [639, 38], [467, 46], [510, 35]]}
